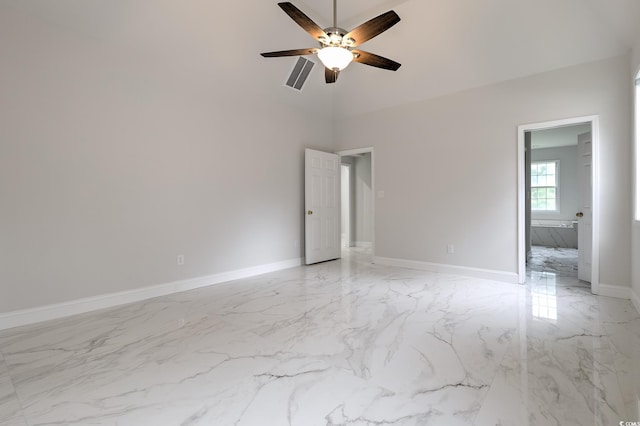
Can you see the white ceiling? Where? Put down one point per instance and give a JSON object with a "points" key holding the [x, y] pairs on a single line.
{"points": [[444, 46]]}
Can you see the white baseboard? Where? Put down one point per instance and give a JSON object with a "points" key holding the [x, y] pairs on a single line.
{"points": [[635, 300], [488, 274], [614, 291], [79, 306]]}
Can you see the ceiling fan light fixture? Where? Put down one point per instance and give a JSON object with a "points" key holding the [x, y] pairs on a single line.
{"points": [[334, 57]]}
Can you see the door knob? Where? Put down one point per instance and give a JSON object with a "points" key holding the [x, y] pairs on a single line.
{"points": [[309, 212], [579, 214]]}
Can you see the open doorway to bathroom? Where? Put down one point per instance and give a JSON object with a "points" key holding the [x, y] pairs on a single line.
{"points": [[555, 202]]}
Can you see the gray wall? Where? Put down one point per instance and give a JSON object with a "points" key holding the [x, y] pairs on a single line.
{"points": [[363, 200], [361, 208], [559, 136], [112, 164], [448, 166], [568, 189]]}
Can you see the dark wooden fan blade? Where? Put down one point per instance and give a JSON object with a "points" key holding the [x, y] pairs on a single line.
{"points": [[304, 21], [372, 28], [374, 60], [294, 52], [330, 76]]}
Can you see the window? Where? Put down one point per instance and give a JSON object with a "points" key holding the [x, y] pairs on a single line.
{"points": [[544, 186]]}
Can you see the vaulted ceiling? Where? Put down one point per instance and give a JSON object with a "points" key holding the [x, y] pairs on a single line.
{"points": [[443, 46]]}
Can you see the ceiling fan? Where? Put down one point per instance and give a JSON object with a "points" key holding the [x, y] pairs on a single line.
{"points": [[336, 49]]}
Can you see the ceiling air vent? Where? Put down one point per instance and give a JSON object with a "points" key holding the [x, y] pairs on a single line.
{"points": [[300, 73]]}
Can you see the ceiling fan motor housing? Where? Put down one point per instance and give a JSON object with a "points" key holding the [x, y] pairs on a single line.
{"points": [[336, 38]]}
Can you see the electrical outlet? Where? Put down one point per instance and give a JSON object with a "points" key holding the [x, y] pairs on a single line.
{"points": [[180, 260], [451, 248]]}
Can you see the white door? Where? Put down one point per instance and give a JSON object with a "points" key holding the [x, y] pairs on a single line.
{"points": [[585, 215], [322, 206]]}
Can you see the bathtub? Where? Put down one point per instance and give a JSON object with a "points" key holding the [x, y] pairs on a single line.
{"points": [[554, 233]]}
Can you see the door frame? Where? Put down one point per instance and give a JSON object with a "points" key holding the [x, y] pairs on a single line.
{"points": [[595, 179], [373, 189]]}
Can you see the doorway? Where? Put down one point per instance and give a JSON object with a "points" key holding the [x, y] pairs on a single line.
{"points": [[553, 190], [555, 184], [345, 203], [357, 189]]}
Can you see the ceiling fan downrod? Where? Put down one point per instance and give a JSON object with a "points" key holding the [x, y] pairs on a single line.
{"points": [[335, 34]]}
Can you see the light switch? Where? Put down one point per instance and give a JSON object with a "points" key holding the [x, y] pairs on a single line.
{"points": [[380, 194]]}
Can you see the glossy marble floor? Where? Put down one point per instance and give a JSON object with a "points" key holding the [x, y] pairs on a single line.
{"points": [[561, 261], [339, 343]]}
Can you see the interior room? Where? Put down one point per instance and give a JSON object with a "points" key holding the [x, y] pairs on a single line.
{"points": [[357, 201], [555, 199], [157, 217]]}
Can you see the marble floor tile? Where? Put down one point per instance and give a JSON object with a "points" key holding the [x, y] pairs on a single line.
{"points": [[623, 328], [10, 409], [561, 261], [338, 343]]}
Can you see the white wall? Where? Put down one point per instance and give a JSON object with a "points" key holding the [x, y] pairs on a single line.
{"points": [[448, 166], [113, 162], [568, 189]]}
